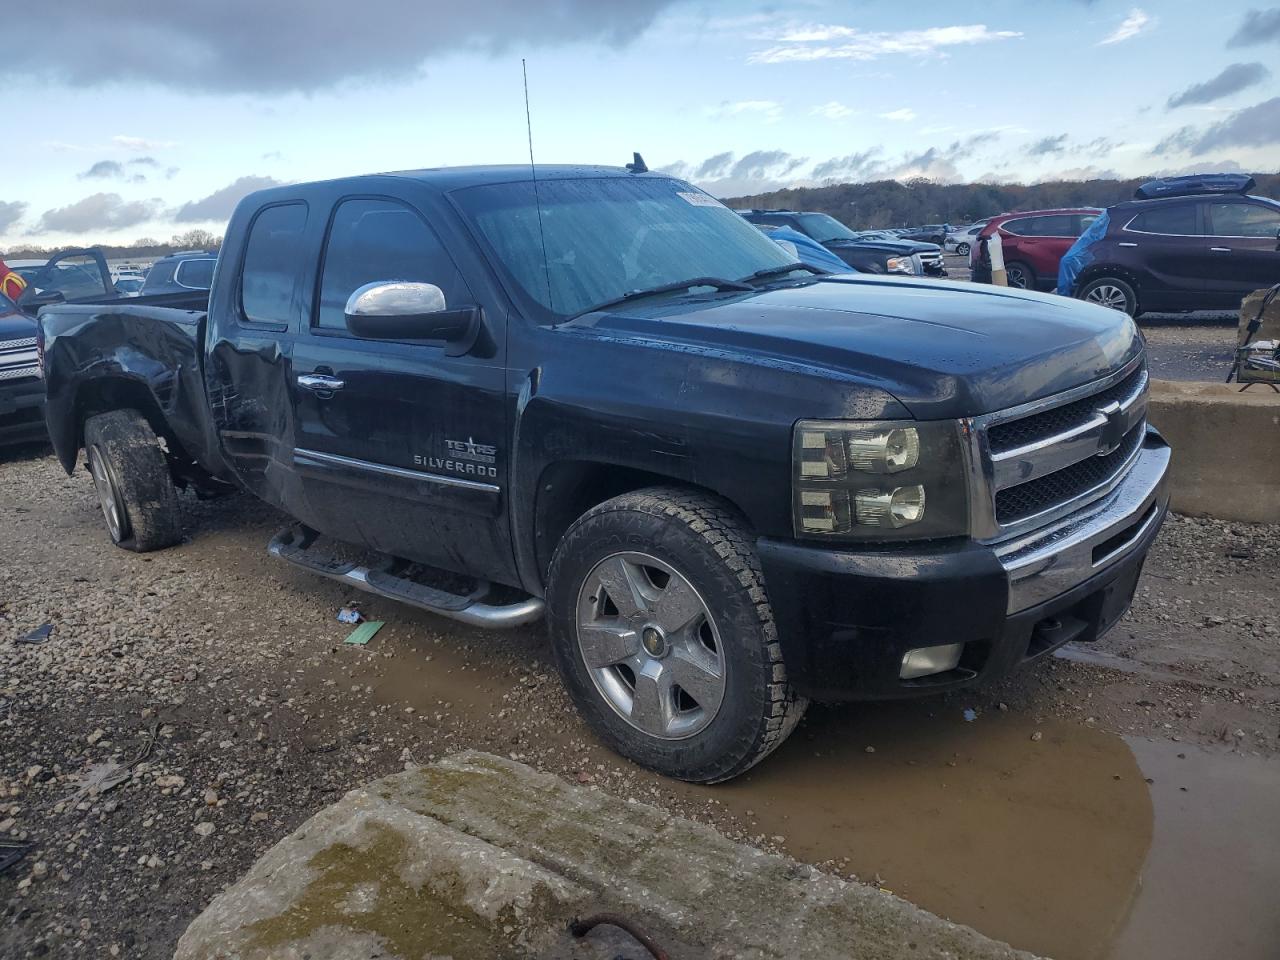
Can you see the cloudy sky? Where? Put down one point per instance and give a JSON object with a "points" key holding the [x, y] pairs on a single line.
{"points": [[148, 118]]}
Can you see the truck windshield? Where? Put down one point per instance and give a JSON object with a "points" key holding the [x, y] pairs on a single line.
{"points": [[823, 228], [608, 237]]}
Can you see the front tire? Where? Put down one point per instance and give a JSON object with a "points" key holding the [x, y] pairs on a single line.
{"points": [[132, 480], [1020, 276], [1110, 292], [664, 636]]}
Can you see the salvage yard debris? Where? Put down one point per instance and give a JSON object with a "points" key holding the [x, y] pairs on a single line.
{"points": [[362, 634], [39, 635]]}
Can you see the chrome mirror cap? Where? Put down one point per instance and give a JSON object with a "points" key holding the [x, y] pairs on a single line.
{"points": [[395, 298]]}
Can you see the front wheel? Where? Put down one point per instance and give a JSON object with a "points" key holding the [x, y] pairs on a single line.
{"points": [[1020, 276], [1110, 292], [131, 477], [962, 249], [664, 636]]}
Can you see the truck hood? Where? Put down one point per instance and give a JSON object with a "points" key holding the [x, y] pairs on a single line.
{"points": [[942, 349], [899, 247], [15, 325]]}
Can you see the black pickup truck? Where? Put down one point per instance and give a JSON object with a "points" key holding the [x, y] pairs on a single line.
{"points": [[601, 396]]}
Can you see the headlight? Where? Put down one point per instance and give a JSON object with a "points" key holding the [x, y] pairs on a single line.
{"points": [[899, 265], [883, 480]]}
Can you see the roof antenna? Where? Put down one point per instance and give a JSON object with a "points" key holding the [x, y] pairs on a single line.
{"points": [[533, 171], [637, 164]]}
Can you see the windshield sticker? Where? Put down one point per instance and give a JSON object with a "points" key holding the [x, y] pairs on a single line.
{"points": [[698, 199]]}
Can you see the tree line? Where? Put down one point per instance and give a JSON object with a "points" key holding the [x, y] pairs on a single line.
{"points": [[144, 248], [890, 203]]}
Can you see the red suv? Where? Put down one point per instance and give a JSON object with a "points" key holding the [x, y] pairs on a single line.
{"points": [[1033, 244]]}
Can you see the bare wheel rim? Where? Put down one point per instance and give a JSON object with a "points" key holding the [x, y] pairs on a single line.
{"points": [[651, 646], [108, 495], [1108, 295], [962, 249]]}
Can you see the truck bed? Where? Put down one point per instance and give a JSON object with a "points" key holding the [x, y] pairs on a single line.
{"points": [[148, 355]]}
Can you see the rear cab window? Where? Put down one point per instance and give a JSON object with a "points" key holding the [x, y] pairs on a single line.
{"points": [[272, 263], [374, 239], [197, 274]]}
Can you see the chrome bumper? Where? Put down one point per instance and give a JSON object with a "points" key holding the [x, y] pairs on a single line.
{"points": [[1048, 562]]}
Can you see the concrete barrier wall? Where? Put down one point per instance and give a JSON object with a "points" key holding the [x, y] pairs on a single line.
{"points": [[1226, 448]]}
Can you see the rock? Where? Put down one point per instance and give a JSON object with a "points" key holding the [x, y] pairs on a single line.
{"points": [[509, 855], [40, 870], [204, 828], [211, 798], [96, 736], [1037, 736], [171, 782], [869, 749]]}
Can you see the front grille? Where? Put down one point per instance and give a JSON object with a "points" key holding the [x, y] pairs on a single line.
{"points": [[18, 359], [1019, 433], [1045, 493]]}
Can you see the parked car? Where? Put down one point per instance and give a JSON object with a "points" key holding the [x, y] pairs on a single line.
{"points": [[21, 389], [864, 255], [729, 484], [1034, 243], [961, 239], [1193, 248], [934, 233], [129, 286], [181, 272]]}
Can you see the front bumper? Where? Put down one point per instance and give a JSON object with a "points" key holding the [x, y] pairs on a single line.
{"points": [[846, 619], [22, 410]]}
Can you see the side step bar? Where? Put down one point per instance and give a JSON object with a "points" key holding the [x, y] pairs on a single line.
{"points": [[293, 544]]}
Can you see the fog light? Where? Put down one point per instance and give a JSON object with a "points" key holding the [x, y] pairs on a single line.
{"points": [[924, 661]]}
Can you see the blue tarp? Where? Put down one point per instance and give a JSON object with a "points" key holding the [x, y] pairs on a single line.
{"points": [[1080, 256], [810, 252]]}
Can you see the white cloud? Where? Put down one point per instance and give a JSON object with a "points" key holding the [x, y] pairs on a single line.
{"points": [[832, 110], [830, 42], [768, 110], [1132, 25], [902, 115], [141, 143]]}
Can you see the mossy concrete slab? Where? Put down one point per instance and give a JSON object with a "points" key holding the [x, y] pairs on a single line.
{"points": [[481, 857]]}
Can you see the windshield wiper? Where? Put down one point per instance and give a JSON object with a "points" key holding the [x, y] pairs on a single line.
{"points": [[714, 282], [779, 271]]}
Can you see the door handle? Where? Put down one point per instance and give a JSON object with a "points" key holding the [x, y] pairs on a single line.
{"points": [[1220, 249], [1126, 244], [319, 383]]}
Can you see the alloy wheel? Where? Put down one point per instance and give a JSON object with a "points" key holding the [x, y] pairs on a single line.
{"points": [[651, 646], [1108, 295], [108, 495]]}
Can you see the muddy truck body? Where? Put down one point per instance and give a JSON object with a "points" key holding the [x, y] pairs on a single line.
{"points": [[601, 398]]}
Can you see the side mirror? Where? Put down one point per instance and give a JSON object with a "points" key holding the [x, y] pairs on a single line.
{"points": [[403, 310]]}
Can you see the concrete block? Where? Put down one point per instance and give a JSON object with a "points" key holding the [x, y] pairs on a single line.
{"points": [[1226, 448], [480, 857]]}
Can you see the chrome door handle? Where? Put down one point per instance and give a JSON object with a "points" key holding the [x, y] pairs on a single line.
{"points": [[1220, 249], [319, 383], [1126, 244]]}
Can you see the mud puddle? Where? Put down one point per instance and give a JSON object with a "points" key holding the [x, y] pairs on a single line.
{"points": [[1210, 885], [1039, 834]]}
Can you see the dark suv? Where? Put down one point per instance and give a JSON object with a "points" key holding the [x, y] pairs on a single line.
{"points": [[181, 273], [1183, 253], [863, 254]]}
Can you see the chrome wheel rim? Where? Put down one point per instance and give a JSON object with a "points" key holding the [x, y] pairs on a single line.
{"points": [[651, 646], [1108, 295], [963, 249], [108, 495], [1017, 278]]}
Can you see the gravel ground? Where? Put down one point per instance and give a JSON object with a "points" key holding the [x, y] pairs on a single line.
{"points": [[211, 685]]}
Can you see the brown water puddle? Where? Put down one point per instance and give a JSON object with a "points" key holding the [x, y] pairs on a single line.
{"points": [[1211, 885], [1041, 843], [1036, 842]]}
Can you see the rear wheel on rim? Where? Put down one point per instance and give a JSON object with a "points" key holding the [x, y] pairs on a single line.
{"points": [[664, 636], [962, 249], [1110, 292], [131, 478]]}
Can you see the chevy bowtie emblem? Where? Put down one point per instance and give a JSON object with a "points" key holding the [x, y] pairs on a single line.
{"points": [[1114, 430]]}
